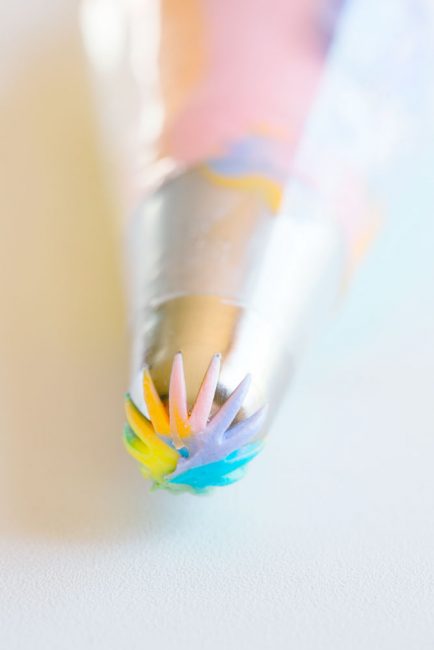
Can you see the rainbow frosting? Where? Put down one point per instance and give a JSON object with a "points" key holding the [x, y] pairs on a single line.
{"points": [[192, 451]]}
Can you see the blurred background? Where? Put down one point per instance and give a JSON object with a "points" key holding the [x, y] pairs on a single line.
{"points": [[328, 543]]}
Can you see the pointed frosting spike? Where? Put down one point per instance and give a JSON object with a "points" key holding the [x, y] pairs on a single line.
{"points": [[179, 425], [142, 428], [156, 410], [243, 432], [144, 444], [227, 412], [204, 400]]}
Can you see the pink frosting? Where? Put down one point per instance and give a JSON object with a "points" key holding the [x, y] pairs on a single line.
{"points": [[261, 64]]}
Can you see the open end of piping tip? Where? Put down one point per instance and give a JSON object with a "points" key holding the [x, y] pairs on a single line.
{"points": [[184, 450]]}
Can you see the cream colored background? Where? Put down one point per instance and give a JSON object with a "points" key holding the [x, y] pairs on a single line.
{"points": [[327, 544]]}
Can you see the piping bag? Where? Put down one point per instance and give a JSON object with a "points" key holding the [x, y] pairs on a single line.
{"points": [[238, 142]]}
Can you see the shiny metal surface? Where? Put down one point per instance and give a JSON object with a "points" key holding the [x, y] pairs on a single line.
{"points": [[213, 270]]}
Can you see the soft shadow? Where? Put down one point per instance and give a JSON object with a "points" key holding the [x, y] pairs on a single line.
{"points": [[62, 331]]}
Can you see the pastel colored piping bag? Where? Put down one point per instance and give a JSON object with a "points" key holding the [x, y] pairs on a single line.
{"points": [[248, 195]]}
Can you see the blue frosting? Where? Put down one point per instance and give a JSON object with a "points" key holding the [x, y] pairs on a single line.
{"points": [[220, 473]]}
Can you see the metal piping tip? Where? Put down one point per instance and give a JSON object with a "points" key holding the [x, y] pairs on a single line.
{"points": [[219, 281]]}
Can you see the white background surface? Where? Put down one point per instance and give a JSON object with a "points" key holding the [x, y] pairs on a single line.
{"points": [[328, 544]]}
